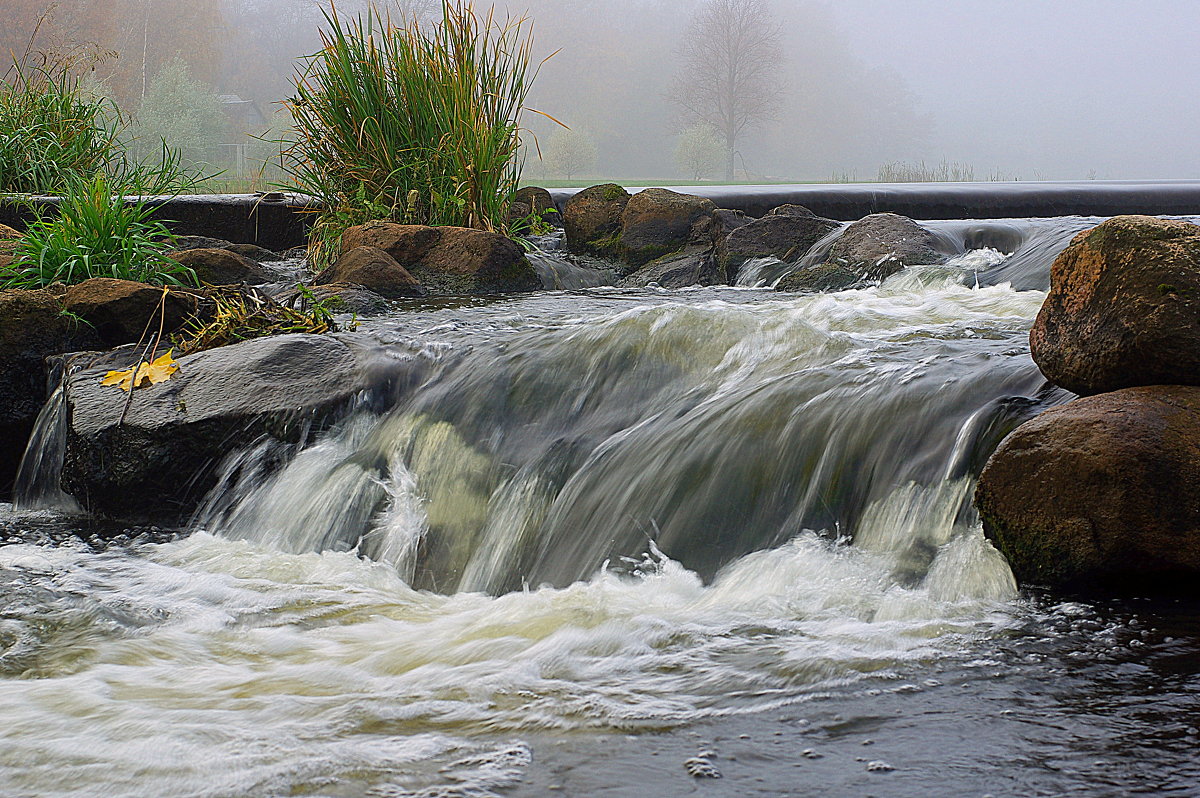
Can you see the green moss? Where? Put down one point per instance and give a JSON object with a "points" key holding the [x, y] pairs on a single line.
{"points": [[612, 192]]}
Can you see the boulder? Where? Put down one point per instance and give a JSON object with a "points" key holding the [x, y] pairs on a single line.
{"points": [[784, 236], [1123, 308], [730, 220], [694, 266], [10, 234], [121, 310], [32, 328], [221, 267], [450, 260], [532, 199], [791, 210], [254, 252], [159, 462], [1103, 492], [882, 244], [374, 269], [592, 220], [658, 222]]}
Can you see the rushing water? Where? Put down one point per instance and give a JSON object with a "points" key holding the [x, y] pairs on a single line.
{"points": [[616, 543]]}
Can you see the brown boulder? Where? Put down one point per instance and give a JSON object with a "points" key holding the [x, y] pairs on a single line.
{"points": [[120, 310], [32, 327], [221, 267], [1123, 308], [450, 260], [657, 222], [372, 268], [1101, 492], [592, 220]]}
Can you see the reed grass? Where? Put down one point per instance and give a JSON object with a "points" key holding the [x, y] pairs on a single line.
{"points": [[386, 109]]}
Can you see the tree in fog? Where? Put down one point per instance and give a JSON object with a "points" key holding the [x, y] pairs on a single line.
{"points": [[700, 153], [728, 79], [570, 152]]}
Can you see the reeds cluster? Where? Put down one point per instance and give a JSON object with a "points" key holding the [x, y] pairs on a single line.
{"points": [[52, 129], [409, 121]]}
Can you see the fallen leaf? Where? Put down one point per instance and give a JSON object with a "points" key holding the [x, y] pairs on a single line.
{"points": [[160, 370]]}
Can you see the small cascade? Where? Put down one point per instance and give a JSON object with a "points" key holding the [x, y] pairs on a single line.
{"points": [[709, 429], [37, 486]]}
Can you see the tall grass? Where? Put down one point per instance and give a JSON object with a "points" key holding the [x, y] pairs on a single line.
{"points": [[385, 110], [96, 233], [51, 129]]}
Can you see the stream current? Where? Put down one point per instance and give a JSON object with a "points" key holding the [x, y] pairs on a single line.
{"points": [[613, 542]]}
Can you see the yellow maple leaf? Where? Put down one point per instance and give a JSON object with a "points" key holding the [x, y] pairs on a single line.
{"points": [[153, 373]]}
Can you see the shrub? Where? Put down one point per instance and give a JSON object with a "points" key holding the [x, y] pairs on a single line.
{"points": [[385, 110]]}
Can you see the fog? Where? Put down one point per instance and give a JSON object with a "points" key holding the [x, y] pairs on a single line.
{"points": [[1025, 89]]}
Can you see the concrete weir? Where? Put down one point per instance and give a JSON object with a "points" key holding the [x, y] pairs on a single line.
{"points": [[274, 220], [280, 221], [852, 201]]}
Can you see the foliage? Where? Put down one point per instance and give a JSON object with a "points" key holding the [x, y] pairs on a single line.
{"points": [[181, 111], [239, 314], [386, 109], [158, 370], [731, 55], [570, 152], [701, 152], [52, 130], [96, 233]]}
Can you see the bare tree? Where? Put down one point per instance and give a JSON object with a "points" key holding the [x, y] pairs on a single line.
{"points": [[731, 53]]}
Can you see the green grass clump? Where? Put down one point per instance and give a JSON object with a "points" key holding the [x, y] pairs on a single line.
{"points": [[95, 233], [384, 110]]}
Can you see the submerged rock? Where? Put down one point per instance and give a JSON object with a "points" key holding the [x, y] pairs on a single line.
{"points": [[821, 277], [121, 311], [658, 222], [450, 260], [1123, 308], [32, 328], [343, 298], [592, 220], [694, 266], [784, 236], [161, 459], [374, 269], [1102, 492], [221, 267]]}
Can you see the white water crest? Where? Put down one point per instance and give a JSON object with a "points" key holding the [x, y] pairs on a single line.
{"points": [[326, 673]]}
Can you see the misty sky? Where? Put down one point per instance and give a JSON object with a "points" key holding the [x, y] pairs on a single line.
{"points": [[1044, 88]]}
